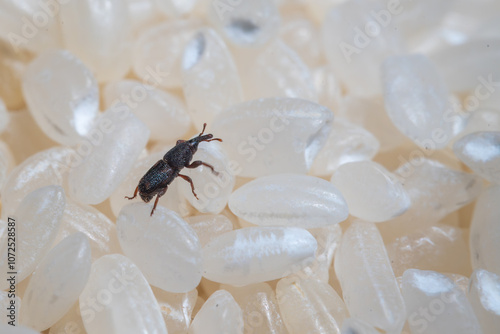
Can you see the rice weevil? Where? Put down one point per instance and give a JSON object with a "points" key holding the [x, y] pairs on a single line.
{"points": [[156, 180]]}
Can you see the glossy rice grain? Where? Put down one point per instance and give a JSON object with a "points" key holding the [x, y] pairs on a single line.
{"points": [[289, 200], [257, 254], [369, 287], [164, 246], [57, 282], [118, 299], [37, 221], [254, 131]]}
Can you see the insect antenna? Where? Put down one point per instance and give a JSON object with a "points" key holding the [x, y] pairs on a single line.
{"points": [[202, 131]]}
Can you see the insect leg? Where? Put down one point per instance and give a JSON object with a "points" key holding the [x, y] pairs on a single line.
{"points": [[135, 194], [198, 163], [160, 194], [187, 178]]}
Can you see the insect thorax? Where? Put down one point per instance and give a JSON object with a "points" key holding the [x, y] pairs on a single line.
{"points": [[179, 156]]}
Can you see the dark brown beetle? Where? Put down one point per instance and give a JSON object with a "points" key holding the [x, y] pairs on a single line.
{"points": [[158, 177]]}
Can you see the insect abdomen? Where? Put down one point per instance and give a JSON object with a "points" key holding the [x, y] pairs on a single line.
{"points": [[157, 177]]}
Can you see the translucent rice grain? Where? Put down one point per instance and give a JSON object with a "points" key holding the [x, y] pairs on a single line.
{"points": [[477, 57], [62, 96], [481, 120], [481, 152], [359, 181], [431, 293], [416, 100], [158, 52], [255, 130], [440, 247], [328, 87], [17, 27], [176, 308], [328, 239], [257, 254], [277, 71], [302, 36], [289, 200], [368, 283], [347, 142], [351, 48], [435, 191], [165, 247], [118, 299], [219, 314], [100, 231], [99, 33], [310, 305], [208, 227], [142, 13], [49, 167], [209, 75], [57, 282], [261, 313], [484, 297], [162, 112], [108, 158], [38, 219], [415, 21]]}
